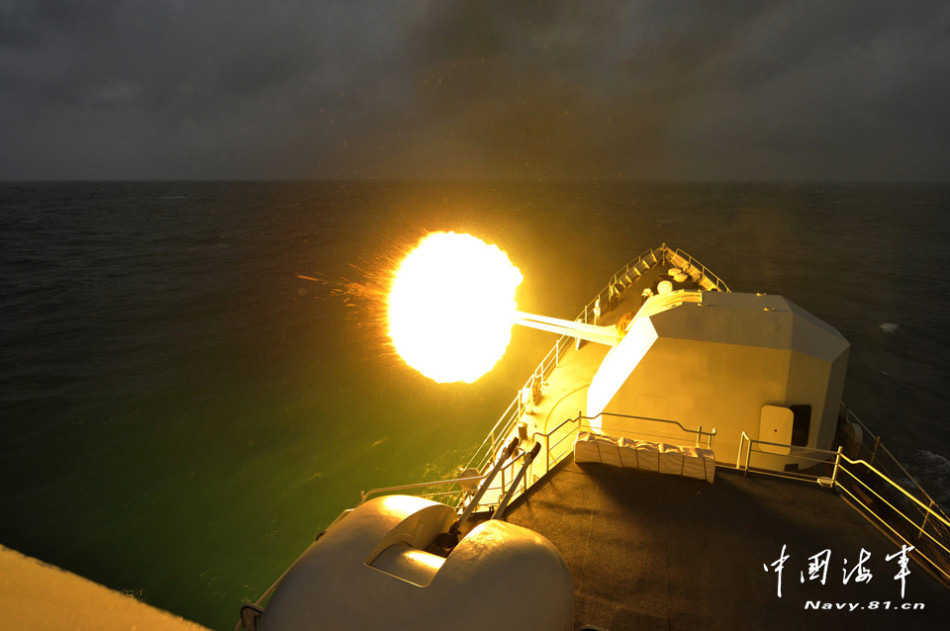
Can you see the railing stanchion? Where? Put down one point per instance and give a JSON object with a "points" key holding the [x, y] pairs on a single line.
{"points": [[748, 458], [834, 474]]}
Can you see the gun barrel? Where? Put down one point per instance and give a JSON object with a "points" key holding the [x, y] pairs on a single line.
{"points": [[607, 335]]}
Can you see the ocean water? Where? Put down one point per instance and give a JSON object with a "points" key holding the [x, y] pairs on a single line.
{"points": [[181, 413]]}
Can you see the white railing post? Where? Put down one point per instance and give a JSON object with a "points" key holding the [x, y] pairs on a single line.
{"points": [[834, 473], [748, 456]]}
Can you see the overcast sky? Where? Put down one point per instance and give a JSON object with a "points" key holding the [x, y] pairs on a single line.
{"points": [[263, 89]]}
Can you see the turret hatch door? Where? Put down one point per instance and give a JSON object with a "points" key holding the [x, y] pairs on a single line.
{"points": [[775, 426]]}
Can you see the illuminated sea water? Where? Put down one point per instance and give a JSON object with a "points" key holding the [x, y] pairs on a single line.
{"points": [[181, 413]]}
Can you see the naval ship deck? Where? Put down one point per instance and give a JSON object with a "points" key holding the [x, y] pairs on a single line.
{"points": [[654, 551]]}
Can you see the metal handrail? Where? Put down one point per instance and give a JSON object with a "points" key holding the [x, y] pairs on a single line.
{"points": [[931, 519], [880, 448], [701, 437], [365, 495], [889, 504], [717, 282], [811, 454], [933, 522], [799, 452], [698, 431], [898, 487]]}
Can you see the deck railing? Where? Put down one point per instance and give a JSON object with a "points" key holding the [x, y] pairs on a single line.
{"points": [[556, 444], [877, 454], [686, 262], [454, 493], [896, 502]]}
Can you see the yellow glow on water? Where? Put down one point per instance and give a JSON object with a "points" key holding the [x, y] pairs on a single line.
{"points": [[452, 306]]}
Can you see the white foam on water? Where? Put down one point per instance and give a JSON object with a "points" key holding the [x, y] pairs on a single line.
{"points": [[933, 472]]}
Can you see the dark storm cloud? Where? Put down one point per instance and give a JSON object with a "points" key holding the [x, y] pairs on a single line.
{"points": [[294, 88], [720, 90], [141, 89]]}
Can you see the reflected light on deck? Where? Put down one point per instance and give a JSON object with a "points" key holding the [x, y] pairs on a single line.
{"points": [[452, 306]]}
